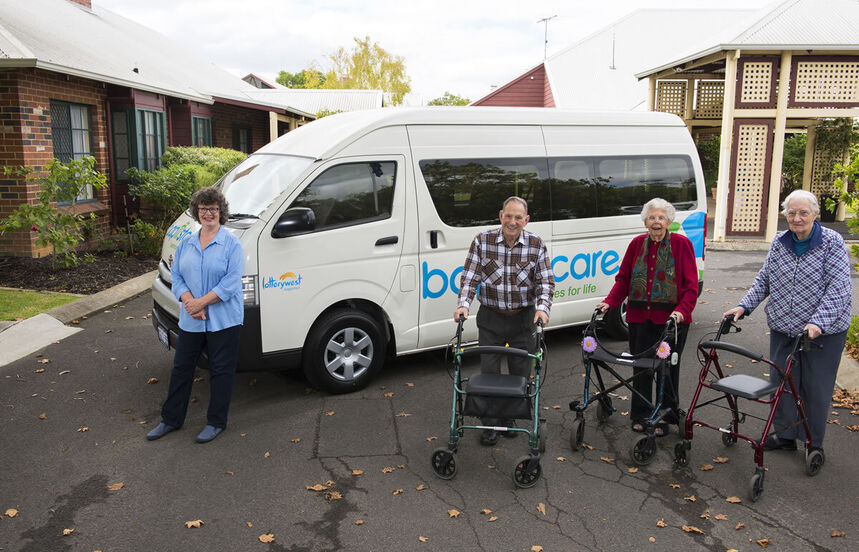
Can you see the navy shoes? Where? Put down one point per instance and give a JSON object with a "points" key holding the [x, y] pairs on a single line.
{"points": [[775, 442], [160, 431], [209, 433]]}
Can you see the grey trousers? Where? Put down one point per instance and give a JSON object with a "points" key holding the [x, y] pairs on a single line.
{"points": [[814, 378], [518, 331]]}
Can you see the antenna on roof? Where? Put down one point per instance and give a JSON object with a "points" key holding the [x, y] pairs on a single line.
{"points": [[612, 67], [545, 22]]}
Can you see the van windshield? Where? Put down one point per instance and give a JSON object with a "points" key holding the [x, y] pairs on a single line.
{"points": [[255, 182]]}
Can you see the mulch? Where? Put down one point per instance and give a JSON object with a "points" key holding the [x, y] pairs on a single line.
{"points": [[86, 278]]}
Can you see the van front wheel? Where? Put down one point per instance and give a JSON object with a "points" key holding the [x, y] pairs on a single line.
{"points": [[344, 351]]}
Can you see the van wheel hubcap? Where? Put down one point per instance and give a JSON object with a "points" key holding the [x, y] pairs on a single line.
{"points": [[348, 354]]}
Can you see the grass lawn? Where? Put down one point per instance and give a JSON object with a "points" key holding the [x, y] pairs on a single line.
{"points": [[15, 304]]}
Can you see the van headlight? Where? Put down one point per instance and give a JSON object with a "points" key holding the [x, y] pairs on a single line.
{"points": [[249, 290]]}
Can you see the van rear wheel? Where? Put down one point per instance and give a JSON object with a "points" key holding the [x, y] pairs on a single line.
{"points": [[344, 351], [615, 322]]}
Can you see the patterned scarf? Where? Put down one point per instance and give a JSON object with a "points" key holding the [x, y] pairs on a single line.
{"points": [[663, 294]]}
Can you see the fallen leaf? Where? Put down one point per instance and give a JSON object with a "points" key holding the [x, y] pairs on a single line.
{"points": [[64, 372], [359, 522], [433, 438], [68, 531], [195, 523], [266, 455], [607, 460], [401, 466], [661, 523], [486, 511], [561, 459], [129, 318], [720, 460], [493, 518], [11, 512], [389, 394], [397, 491], [409, 384], [83, 429], [252, 382], [420, 487], [674, 485], [38, 370], [423, 539], [43, 360], [721, 517], [43, 416], [690, 498], [651, 539], [357, 472], [589, 447], [318, 487], [329, 413], [836, 533], [229, 472], [706, 467], [536, 548], [387, 469], [541, 508], [453, 513], [150, 381], [632, 470], [296, 440], [763, 542], [333, 495], [108, 331], [268, 537], [739, 526], [249, 524], [402, 415], [733, 499], [115, 486], [556, 406], [692, 529]]}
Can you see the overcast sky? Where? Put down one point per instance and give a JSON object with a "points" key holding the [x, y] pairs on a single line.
{"points": [[462, 46]]}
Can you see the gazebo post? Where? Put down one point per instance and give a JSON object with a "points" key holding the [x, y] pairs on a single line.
{"points": [[778, 146], [724, 179]]}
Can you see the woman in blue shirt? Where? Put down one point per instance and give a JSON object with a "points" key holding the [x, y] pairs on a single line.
{"points": [[207, 280]]}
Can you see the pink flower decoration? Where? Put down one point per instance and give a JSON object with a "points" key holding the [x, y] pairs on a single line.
{"points": [[664, 350], [34, 229], [589, 344]]}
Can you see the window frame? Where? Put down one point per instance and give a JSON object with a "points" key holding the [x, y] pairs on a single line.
{"points": [[207, 131], [87, 195]]}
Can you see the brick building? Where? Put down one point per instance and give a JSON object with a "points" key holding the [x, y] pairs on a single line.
{"points": [[79, 80]]}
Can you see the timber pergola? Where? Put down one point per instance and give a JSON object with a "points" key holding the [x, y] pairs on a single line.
{"points": [[795, 64]]}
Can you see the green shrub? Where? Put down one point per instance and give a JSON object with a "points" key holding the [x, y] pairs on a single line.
{"points": [[853, 333], [217, 160], [147, 238]]}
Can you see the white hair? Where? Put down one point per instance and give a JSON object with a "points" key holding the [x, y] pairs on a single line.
{"points": [[801, 194], [662, 205]]}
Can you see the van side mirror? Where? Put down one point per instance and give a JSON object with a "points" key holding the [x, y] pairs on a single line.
{"points": [[294, 221]]}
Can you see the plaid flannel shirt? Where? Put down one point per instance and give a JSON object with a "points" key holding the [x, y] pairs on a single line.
{"points": [[813, 288], [509, 278]]}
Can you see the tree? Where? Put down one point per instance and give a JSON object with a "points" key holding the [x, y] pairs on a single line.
{"points": [[449, 99], [306, 78], [368, 66]]}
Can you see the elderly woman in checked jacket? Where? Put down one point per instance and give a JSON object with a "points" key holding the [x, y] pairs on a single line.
{"points": [[807, 278]]}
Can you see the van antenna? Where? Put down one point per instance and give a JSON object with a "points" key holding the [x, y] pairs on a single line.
{"points": [[545, 22], [612, 67]]}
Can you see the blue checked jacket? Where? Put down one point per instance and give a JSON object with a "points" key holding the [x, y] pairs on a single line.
{"points": [[814, 288], [509, 278]]}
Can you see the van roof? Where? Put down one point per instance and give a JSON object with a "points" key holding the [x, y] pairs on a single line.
{"points": [[328, 135]]}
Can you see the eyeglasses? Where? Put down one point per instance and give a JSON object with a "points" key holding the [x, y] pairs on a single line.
{"points": [[653, 218], [211, 210], [803, 214]]}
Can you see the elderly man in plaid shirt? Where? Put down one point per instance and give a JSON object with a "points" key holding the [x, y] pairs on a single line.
{"points": [[513, 270], [807, 278]]}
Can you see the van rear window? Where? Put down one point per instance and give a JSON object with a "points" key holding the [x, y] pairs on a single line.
{"points": [[469, 192]]}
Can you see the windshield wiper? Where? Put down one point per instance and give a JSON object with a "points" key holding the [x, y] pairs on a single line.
{"points": [[242, 216]]}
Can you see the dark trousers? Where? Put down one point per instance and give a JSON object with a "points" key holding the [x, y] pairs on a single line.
{"points": [[642, 336], [814, 378], [517, 330], [222, 349]]}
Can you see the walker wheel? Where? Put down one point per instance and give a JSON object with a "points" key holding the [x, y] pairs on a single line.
{"points": [[729, 440], [522, 476], [756, 485], [541, 436], [643, 450], [814, 462], [577, 434], [681, 454], [443, 463], [605, 410]]}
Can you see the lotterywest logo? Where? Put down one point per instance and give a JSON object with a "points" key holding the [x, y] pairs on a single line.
{"points": [[287, 281], [177, 232]]}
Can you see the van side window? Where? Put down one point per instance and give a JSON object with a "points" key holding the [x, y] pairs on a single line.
{"points": [[624, 185], [470, 192], [352, 193], [573, 190]]}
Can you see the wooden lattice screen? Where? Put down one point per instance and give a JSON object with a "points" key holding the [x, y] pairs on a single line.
{"points": [[757, 81], [750, 177], [822, 179], [827, 81], [709, 99], [671, 97]]}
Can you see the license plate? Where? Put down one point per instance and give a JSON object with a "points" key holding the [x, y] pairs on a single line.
{"points": [[162, 336]]}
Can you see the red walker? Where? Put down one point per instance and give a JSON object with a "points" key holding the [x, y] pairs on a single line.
{"points": [[731, 388]]}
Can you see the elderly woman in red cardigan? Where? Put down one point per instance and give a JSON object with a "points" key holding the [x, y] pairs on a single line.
{"points": [[659, 276]]}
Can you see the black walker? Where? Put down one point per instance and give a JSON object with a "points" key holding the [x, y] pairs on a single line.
{"points": [[500, 396], [598, 359], [732, 388]]}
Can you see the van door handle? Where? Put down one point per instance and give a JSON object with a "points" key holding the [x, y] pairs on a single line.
{"points": [[387, 241], [433, 239]]}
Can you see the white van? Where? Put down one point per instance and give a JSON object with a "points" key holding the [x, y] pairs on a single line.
{"points": [[355, 226]]}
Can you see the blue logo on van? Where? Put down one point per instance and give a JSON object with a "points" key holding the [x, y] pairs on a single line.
{"points": [[288, 281], [435, 282], [177, 232]]}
